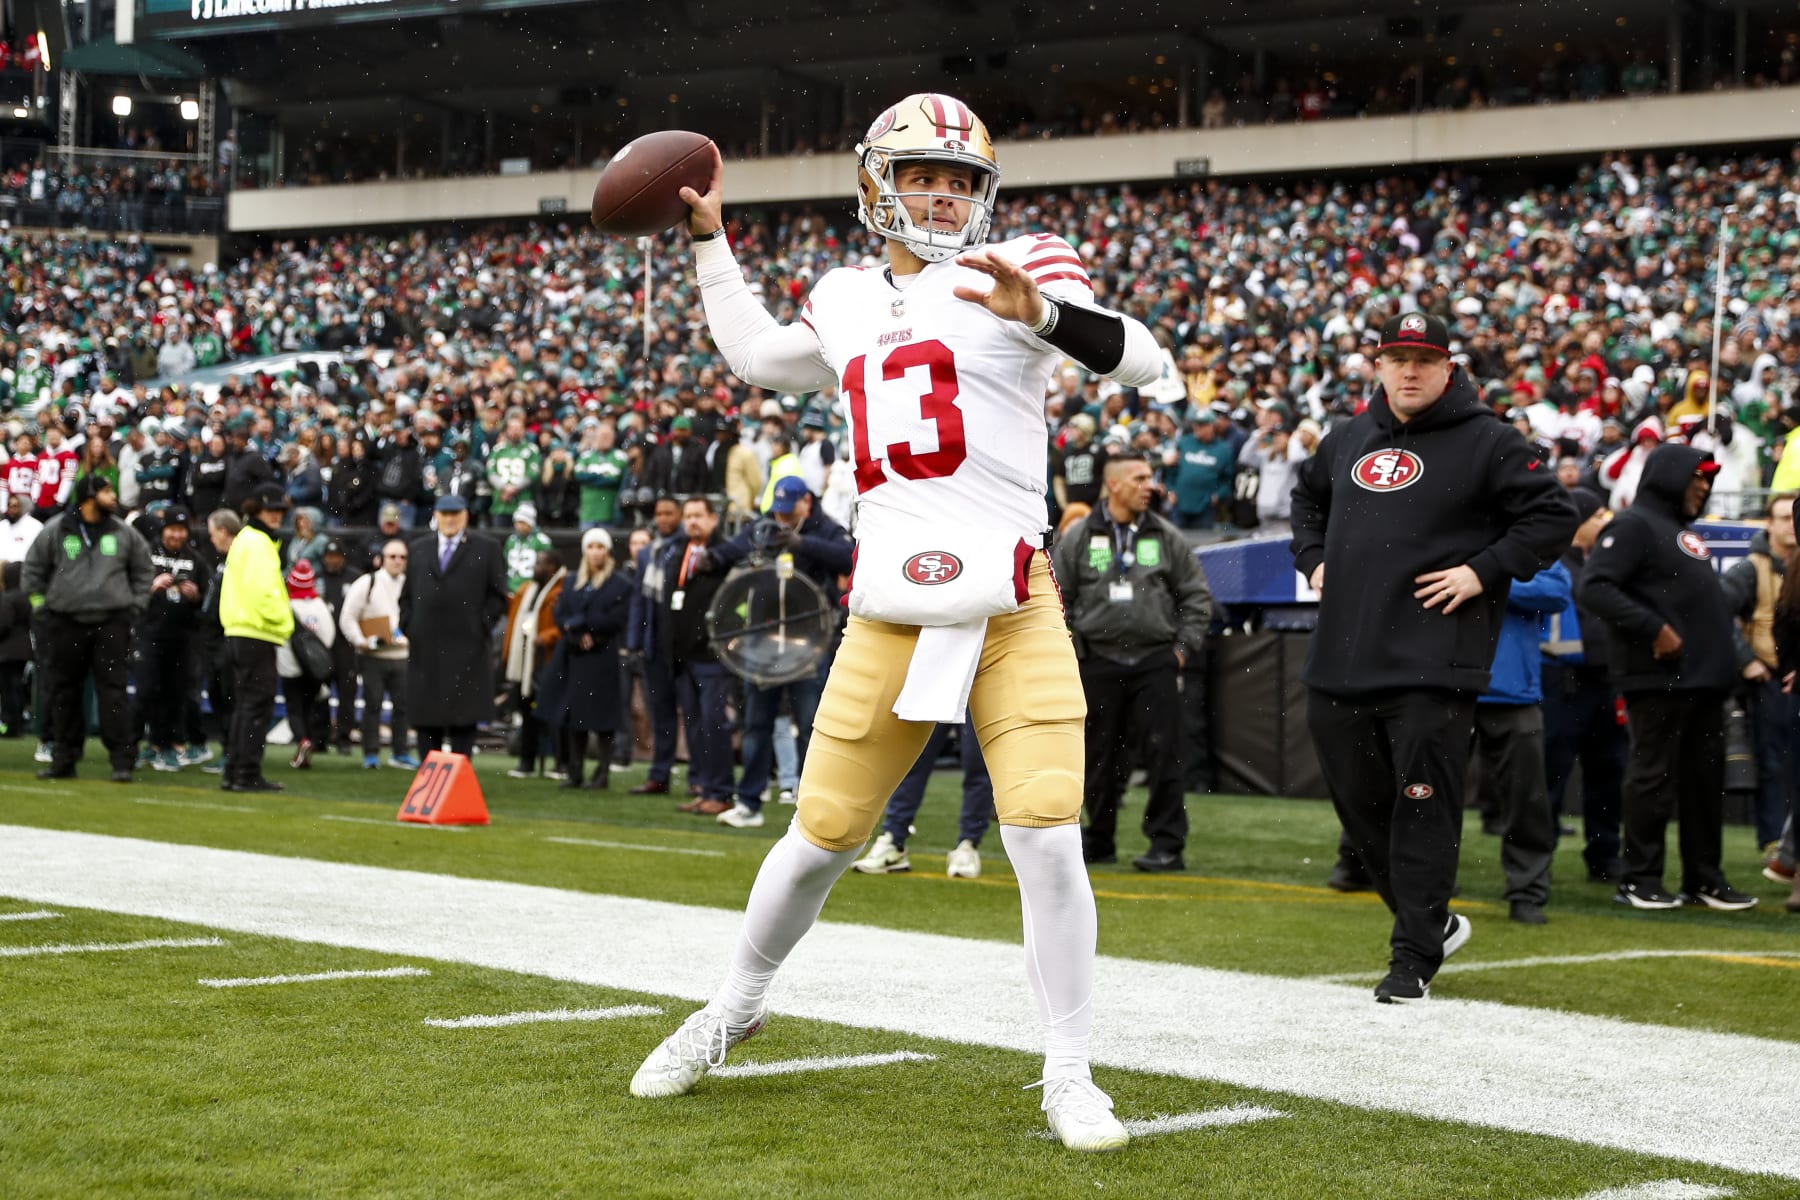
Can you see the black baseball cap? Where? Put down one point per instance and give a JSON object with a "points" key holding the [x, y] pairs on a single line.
{"points": [[174, 516], [272, 495], [1415, 330]]}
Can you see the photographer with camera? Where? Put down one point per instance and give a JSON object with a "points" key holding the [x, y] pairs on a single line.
{"points": [[821, 550]]}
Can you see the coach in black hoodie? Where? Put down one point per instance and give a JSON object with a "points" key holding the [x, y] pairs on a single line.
{"points": [[1651, 580], [1412, 521]]}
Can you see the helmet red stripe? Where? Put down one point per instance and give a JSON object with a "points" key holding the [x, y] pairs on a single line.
{"points": [[965, 118], [938, 117]]}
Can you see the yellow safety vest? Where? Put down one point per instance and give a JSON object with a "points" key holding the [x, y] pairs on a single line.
{"points": [[779, 469]]}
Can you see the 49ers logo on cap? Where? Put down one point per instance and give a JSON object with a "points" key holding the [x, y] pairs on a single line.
{"points": [[1419, 791], [932, 567], [1692, 544], [1387, 470]]}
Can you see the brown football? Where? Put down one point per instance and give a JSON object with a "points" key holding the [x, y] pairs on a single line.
{"points": [[639, 192]]}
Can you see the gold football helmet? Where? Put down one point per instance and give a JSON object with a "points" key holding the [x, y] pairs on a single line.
{"points": [[926, 125]]}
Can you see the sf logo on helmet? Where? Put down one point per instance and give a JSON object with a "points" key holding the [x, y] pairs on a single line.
{"points": [[1387, 470], [933, 567]]}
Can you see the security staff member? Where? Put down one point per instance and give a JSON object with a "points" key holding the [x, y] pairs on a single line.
{"points": [[1651, 580], [257, 618], [1139, 607], [1411, 521], [88, 577]]}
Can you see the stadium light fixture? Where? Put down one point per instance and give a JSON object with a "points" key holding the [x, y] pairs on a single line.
{"points": [[21, 112], [121, 106], [190, 110]]}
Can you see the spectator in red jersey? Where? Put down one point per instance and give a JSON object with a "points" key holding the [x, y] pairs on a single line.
{"points": [[55, 475]]}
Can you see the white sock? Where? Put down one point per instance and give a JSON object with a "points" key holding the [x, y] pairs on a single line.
{"points": [[790, 890], [1060, 931]]}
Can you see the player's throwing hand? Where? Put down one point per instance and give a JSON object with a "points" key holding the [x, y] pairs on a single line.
{"points": [[1015, 294], [708, 214]]}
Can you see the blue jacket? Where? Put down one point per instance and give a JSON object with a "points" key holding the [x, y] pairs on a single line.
{"points": [[641, 619], [1517, 676], [824, 552]]}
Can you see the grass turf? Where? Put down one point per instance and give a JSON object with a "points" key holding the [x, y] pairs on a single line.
{"points": [[127, 1078], [124, 1077]]}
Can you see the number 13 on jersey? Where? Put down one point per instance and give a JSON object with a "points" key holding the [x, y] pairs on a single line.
{"points": [[937, 404]]}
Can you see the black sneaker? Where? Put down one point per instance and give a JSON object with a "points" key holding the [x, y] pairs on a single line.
{"points": [[1720, 896], [1346, 878], [1456, 934], [1527, 913], [1402, 986], [1645, 897]]}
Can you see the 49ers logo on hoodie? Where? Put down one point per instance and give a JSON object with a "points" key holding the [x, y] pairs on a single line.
{"points": [[1692, 544], [1387, 470]]}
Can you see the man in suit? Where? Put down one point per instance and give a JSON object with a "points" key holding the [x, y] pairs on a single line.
{"points": [[455, 591]]}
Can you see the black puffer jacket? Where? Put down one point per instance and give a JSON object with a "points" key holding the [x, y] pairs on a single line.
{"points": [[1649, 569], [1385, 501]]}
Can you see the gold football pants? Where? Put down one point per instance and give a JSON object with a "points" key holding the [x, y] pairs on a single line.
{"points": [[1026, 705]]}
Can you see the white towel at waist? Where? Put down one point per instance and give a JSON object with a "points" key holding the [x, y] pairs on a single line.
{"points": [[941, 672]]}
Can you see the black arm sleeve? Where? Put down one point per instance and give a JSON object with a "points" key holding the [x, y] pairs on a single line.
{"points": [[1091, 336]]}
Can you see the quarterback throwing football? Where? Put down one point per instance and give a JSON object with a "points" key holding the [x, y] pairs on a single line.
{"points": [[944, 358]]}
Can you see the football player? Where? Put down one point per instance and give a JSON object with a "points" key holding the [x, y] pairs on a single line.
{"points": [[944, 356]]}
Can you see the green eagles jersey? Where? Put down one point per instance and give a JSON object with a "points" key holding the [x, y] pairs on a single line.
{"points": [[512, 467], [32, 383], [521, 557], [599, 472]]}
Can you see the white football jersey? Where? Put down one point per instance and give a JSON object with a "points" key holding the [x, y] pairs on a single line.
{"points": [[946, 400]]}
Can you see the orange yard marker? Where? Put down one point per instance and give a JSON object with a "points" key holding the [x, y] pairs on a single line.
{"points": [[444, 792]]}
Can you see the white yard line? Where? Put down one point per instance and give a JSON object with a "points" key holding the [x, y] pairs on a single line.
{"points": [[237, 808], [1458, 967], [555, 1014], [795, 1066], [28, 790], [319, 977], [40, 915], [1662, 1189], [107, 947], [1454, 1060], [569, 841], [392, 824], [1211, 1118]]}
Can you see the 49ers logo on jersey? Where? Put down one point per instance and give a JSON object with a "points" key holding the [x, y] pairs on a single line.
{"points": [[1387, 470], [1692, 544], [932, 567]]}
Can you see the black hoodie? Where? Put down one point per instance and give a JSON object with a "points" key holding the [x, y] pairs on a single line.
{"points": [[1649, 569], [1384, 501]]}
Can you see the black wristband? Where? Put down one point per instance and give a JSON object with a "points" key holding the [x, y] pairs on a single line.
{"points": [[1092, 337], [707, 237]]}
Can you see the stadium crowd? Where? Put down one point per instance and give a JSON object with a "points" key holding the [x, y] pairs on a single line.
{"points": [[147, 196], [512, 372]]}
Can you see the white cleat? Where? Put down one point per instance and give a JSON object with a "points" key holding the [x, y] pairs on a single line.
{"points": [[964, 862], [742, 816], [1082, 1115], [883, 858], [686, 1055]]}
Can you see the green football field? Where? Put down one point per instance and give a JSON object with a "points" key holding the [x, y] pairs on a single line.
{"points": [[1609, 1053]]}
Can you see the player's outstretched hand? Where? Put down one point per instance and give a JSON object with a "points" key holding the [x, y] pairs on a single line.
{"points": [[708, 209], [1015, 294]]}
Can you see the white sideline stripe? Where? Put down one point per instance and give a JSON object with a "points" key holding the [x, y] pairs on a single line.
{"points": [[40, 915], [320, 977], [1663, 1189], [794, 1066], [1453, 1060], [555, 1014], [392, 824], [194, 804], [107, 947], [1561, 960], [1211, 1118], [568, 841], [34, 791]]}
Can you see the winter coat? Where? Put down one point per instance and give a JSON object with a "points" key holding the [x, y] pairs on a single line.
{"points": [[244, 473], [1649, 569], [351, 496], [15, 618], [89, 575], [313, 614], [253, 599], [1383, 502], [1170, 607], [581, 690], [448, 618], [1518, 673]]}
